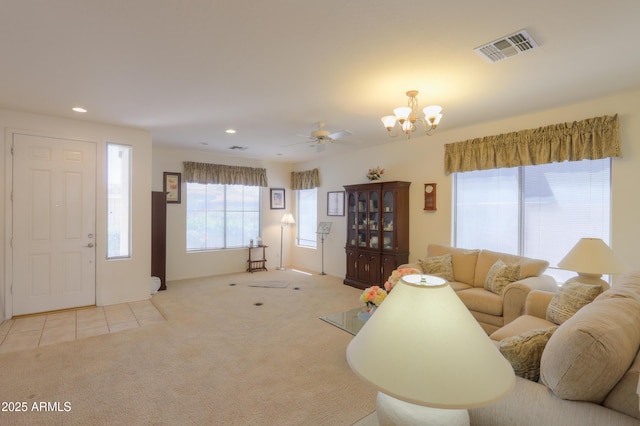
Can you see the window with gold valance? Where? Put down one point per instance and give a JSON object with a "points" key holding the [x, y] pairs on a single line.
{"points": [[308, 179], [593, 138], [206, 173]]}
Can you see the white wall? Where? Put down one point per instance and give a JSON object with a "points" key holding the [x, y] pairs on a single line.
{"points": [[183, 265], [418, 160], [421, 160], [116, 281]]}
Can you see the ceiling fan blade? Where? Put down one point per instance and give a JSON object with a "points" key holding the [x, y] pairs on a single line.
{"points": [[340, 134], [296, 143]]}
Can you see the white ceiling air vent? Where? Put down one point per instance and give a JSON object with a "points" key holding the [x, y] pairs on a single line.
{"points": [[507, 46]]}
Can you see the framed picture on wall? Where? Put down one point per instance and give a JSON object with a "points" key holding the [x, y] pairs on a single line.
{"points": [[335, 203], [173, 187], [277, 198]]}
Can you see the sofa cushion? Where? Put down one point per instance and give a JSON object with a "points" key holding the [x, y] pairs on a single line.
{"points": [[440, 266], [458, 286], [592, 350], [520, 325], [481, 300], [569, 299], [525, 350], [486, 259], [500, 275], [463, 260], [624, 396]]}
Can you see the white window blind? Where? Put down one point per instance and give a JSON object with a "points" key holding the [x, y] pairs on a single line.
{"points": [[535, 211], [307, 220]]}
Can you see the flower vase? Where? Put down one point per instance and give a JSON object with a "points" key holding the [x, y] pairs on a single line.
{"points": [[365, 315]]}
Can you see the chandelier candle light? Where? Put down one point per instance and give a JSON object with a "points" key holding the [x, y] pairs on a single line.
{"points": [[407, 117]]}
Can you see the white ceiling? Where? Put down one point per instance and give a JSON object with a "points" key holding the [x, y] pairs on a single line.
{"points": [[188, 70]]}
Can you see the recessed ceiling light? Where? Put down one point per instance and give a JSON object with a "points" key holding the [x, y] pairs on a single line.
{"points": [[230, 131], [79, 109]]}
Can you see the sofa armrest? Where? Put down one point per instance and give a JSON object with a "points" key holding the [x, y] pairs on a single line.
{"points": [[537, 303], [533, 404], [515, 295]]}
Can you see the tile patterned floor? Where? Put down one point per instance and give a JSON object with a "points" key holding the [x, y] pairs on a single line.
{"points": [[47, 329]]}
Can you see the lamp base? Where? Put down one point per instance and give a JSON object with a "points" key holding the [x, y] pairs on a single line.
{"points": [[281, 268], [392, 412], [592, 279]]}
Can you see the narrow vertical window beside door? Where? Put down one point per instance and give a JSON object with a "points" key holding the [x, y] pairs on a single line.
{"points": [[118, 201]]}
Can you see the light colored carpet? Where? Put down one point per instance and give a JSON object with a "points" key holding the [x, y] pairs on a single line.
{"points": [[227, 355], [268, 284]]}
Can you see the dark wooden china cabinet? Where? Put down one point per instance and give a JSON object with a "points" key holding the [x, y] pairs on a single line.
{"points": [[377, 231]]}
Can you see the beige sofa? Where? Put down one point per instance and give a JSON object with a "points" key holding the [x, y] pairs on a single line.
{"points": [[589, 369], [470, 269]]}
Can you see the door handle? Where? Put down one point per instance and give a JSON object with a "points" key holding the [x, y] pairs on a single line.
{"points": [[90, 245]]}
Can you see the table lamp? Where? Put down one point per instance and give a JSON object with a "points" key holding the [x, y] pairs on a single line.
{"points": [[428, 357], [287, 220], [591, 258]]}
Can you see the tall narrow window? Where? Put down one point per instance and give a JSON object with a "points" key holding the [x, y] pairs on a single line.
{"points": [[307, 220], [118, 201]]}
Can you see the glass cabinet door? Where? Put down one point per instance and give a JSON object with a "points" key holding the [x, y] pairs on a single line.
{"points": [[352, 219], [387, 221], [362, 219], [372, 220]]}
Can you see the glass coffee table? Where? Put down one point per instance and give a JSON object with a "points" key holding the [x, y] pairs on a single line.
{"points": [[350, 321]]}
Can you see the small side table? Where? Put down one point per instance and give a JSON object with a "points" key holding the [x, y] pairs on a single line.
{"points": [[257, 264]]}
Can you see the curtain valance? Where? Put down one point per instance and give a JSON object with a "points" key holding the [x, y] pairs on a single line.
{"points": [[224, 175], [592, 139], [305, 180]]}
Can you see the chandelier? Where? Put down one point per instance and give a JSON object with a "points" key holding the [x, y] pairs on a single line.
{"points": [[407, 117]]}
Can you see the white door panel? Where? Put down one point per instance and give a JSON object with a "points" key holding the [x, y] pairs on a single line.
{"points": [[53, 223]]}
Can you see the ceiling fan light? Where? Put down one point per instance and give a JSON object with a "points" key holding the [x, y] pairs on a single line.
{"points": [[402, 113], [388, 121], [407, 127]]}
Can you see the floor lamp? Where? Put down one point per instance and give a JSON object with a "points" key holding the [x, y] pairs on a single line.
{"points": [[287, 219]]}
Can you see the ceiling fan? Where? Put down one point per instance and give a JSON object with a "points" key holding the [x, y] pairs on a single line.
{"points": [[318, 137]]}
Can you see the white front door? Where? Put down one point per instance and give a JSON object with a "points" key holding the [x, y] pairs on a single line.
{"points": [[54, 184]]}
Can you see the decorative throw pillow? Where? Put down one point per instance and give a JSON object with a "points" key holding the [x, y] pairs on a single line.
{"points": [[525, 350], [569, 299], [500, 275], [439, 266]]}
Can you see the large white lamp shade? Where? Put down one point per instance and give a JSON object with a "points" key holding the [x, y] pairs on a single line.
{"points": [[423, 346]]}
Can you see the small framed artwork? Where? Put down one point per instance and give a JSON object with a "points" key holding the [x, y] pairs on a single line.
{"points": [[335, 203], [277, 199], [173, 187], [429, 196]]}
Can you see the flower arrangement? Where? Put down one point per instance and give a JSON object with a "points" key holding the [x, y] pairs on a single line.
{"points": [[375, 173], [373, 297], [397, 274]]}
